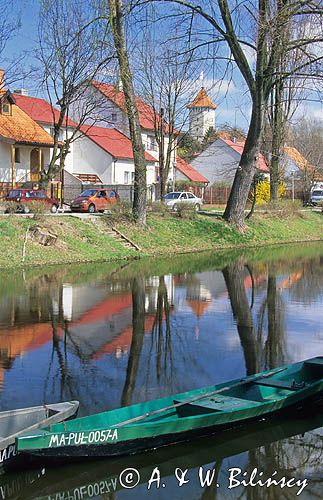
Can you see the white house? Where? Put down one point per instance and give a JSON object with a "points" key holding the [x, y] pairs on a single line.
{"points": [[24, 145], [98, 154], [110, 112], [219, 162], [107, 153]]}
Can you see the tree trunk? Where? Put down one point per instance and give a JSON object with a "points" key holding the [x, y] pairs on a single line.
{"points": [[278, 126], [140, 185], [246, 170]]}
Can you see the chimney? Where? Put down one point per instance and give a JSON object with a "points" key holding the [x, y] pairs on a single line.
{"points": [[1, 80], [21, 92], [119, 85]]}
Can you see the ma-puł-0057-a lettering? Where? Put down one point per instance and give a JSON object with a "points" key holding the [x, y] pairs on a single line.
{"points": [[83, 438]]}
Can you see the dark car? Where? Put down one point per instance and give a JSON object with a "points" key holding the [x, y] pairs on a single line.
{"points": [[94, 200], [25, 197]]}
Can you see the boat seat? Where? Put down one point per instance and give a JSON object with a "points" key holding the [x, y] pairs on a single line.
{"points": [[315, 362], [280, 384], [213, 404]]}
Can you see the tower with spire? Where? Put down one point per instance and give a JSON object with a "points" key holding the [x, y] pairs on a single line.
{"points": [[201, 115]]}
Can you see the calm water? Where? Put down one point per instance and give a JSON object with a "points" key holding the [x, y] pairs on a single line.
{"points": [[112, 335]]}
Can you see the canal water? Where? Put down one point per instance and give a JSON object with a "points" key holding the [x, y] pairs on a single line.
{"points": [[111, 335]]}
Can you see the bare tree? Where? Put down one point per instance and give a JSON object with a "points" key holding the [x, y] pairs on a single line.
{"points": [[307, 137], [254, 26], [165, 73], [140, 184], [8, 25], [71, 52]]}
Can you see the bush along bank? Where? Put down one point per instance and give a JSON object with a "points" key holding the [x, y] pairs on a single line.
{"points": [[92, 240]]}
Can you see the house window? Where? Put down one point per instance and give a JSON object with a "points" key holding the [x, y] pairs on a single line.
{"points": [[151, 143], [126, 177], [60, 134], [114, 117], [132, 177], [17, 155]]}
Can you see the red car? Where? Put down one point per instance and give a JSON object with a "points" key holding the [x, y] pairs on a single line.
{"points": [[23, 197]]}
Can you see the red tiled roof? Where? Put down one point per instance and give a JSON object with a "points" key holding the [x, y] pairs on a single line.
{"points": [[189, 171], [112, 141], [146, 113], [238, 147], [202, 100], [40, 110]]}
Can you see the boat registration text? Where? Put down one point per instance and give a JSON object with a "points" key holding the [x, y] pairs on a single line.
{"points": [[81, 438]]}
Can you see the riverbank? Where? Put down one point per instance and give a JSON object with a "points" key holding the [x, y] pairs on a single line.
{"points": [[88, 240]]}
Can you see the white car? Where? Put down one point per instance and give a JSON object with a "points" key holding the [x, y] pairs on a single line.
{"points": [[172, 200]]}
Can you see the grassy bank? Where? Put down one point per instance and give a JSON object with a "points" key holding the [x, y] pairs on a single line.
{"points": [[88, 241]]}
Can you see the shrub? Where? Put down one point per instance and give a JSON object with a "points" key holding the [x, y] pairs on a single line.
{"points": [[9, 207], [185, 210], [263, 191], [37, 208], [121, 211], [158, 207], [283, 208]]}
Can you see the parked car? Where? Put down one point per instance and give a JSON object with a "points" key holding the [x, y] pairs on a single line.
{"points": [[172, 200], [94, 200], [317, 196], [23, 198]]}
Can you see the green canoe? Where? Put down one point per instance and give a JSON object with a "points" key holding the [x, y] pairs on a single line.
{"points": [[178, 418]]}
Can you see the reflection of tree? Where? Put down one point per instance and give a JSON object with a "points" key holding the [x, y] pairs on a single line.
{"points": [[274, 348], [234, 279], [162, 312], [138, 331], [294, 457]]}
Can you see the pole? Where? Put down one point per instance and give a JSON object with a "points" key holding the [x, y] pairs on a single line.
{"points": [[12, 166], [293, 187], [161, 154]]}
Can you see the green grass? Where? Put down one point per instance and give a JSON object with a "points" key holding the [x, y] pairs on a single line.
{"points": [[87, 241], [172, 234]]}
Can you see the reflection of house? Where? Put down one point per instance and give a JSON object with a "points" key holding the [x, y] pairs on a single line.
{"points": [[24, 145], [17, 340], [219, 162]]}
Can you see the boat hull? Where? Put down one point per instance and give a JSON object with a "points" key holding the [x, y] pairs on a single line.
{"points": [[201, 412], [16, 422]]}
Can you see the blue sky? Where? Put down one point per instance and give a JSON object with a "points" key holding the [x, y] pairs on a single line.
{"points": [[228, 92]]}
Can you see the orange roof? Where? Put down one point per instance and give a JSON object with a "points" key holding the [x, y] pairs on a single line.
{"points": [[189, 171], [238, 147], [202, 100], [20, 128], [199, 306], [301, 162], [146, 113]]}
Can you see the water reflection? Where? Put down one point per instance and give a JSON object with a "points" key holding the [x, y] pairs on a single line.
{"points": [[113, 335]]}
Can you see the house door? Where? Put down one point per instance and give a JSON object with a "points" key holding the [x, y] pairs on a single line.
{"points": [[36, 164]]}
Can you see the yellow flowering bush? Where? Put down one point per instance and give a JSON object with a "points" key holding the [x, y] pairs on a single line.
{"points": [[263, 191]]}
